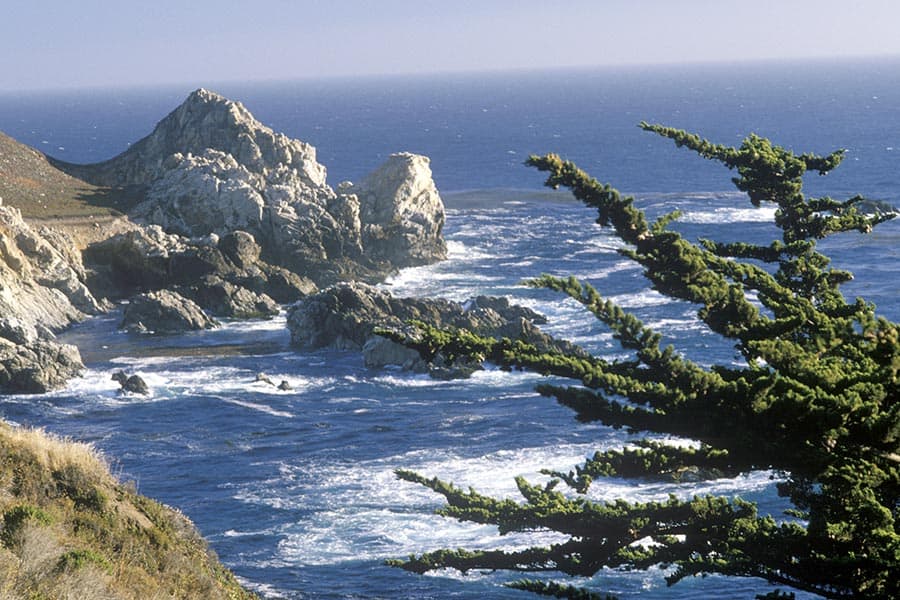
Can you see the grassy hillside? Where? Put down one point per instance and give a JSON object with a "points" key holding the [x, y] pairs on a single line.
{"points": [[45, 194], [69, 529]]}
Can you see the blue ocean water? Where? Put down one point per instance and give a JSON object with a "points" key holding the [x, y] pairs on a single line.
{"points": [[295, 490]]}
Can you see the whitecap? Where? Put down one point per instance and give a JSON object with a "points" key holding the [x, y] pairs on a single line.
{"points": [[260, 407], [763, 214]]}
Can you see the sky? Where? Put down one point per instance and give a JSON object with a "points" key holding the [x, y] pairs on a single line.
{"points": [[100, 43]]}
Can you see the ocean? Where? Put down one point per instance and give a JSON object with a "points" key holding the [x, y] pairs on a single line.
{"points": [[295, 489]]}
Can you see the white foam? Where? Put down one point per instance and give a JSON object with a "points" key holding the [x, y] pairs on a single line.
{"points": [[360, 511], [260, 407], [763, 214], [640, 299]]}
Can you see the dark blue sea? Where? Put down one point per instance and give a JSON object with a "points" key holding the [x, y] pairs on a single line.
{"points": [[295, 490]]}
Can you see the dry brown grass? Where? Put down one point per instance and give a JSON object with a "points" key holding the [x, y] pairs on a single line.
{"points": [[70, 529], [56, 453]]}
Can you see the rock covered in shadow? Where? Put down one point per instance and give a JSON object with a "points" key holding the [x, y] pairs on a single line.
{"points": [[223, 275], [163, 312], [224, 299], [344, 316]]}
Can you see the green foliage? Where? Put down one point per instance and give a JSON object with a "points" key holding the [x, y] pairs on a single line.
{"points": [[816, 401], [78, 559], [15, 517], [556, 590]]}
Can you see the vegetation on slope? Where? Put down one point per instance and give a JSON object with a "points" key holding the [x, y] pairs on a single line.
{"points": [[69, 529], [815, 400], [34, 183]]}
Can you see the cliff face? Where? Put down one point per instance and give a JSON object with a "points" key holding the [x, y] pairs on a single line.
{"points": [[210, 167], [42, 289]]}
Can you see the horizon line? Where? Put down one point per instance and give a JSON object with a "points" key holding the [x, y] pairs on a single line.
{"points": [[842, 60]]}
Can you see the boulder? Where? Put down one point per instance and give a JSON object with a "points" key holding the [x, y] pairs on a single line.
{"points": [[224, 299], [148, 259], [38, 367], [162, 312], [401, 212], [131, 384], [240, 248]]}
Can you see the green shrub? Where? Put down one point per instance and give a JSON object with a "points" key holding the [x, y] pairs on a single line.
{"points": [[16, 517]]}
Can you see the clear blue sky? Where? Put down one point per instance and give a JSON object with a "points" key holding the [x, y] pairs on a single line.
{"points": [[89, 43]]}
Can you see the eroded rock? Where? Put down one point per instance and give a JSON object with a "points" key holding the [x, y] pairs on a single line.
{"points": [[345, 316], [163, 312]]}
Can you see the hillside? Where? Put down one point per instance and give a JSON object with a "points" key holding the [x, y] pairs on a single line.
{"points": [[30, 182], [72, 530]]}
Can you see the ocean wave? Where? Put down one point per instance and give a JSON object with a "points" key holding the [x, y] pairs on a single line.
{"points": [[724, 215]]}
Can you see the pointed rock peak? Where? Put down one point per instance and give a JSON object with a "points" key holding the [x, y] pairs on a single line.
{"points": [[207, 121], [205, 95], [206, 100]]}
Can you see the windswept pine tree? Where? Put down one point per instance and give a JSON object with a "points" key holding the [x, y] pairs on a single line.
{"points": [[814, 400]]}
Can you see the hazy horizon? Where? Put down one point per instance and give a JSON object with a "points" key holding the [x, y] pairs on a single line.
{"points": [[103, 44]]}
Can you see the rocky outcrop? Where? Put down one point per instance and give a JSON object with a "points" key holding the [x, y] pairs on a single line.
{"points": [[42, 290], [164, 312], [223, 275], [131, 384], [37, 367], [42, 276], [344, 317], [401, 212], [224, 299], [209, 167]]}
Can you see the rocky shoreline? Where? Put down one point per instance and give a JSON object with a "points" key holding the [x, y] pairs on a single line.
{"points": [[221, 217]]}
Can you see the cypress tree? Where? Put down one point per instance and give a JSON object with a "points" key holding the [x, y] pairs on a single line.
{"points": [[815, 401]]}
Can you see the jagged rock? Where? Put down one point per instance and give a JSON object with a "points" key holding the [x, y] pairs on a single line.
{"points": [[38, 367], [149, 259], [210, 167], [38, 283], [401, 212], [18, 331], [133, 384], [42, 290], [344, 317], [224, 299], [133, 261], [164, 311]]}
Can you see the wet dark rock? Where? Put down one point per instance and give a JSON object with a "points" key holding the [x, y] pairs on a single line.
{"points": [[162, 312], [133, 384], [38, 367], [224, 299], [345, 316]]}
